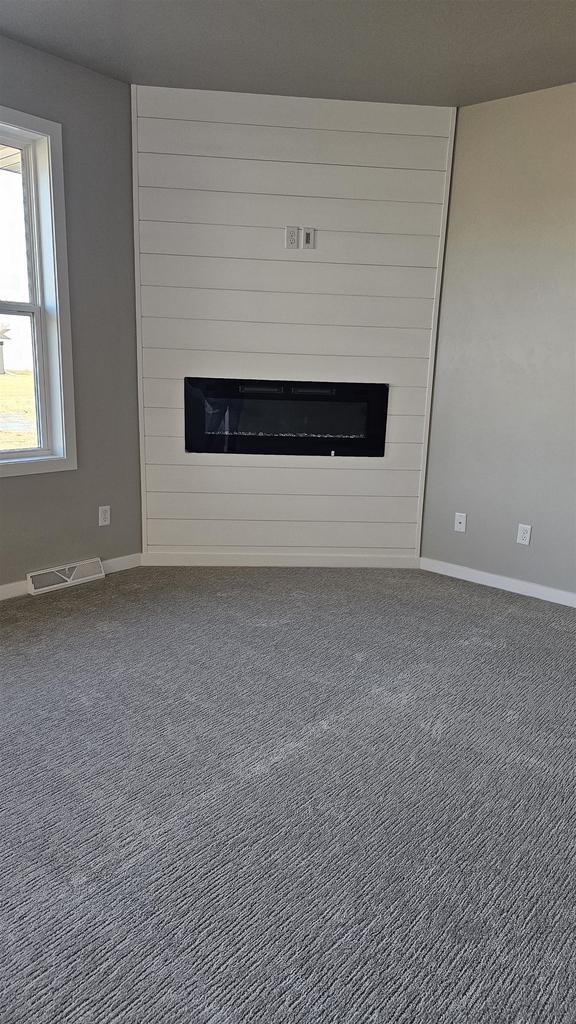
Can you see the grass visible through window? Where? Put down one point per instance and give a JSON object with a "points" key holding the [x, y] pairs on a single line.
{"points": [[18, 425]]}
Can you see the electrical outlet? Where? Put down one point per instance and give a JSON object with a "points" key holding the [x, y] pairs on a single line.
{"points": [[291, 237], [308, 238], [523, 535], [460, 522], [104, 515]]}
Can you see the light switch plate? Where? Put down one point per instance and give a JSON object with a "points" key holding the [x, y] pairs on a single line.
{"points": [[460, 522], [308, 238]]}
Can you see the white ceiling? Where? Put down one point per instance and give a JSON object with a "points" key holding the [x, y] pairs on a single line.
{"points": [[412, 51]]}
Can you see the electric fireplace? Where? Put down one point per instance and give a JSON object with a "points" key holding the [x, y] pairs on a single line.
{"points": [[284, 417]]}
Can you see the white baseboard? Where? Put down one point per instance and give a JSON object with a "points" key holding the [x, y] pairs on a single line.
{"points": [[20, 587], [311, 559], [317, 560], [13, 589], [488, 579], [121, 563]]}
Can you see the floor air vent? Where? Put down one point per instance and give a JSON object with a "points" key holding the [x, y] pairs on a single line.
{"points": [[65, 576]]}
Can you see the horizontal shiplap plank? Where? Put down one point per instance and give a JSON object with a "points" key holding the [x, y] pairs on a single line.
{"points": [[169, 394], [258, 142], [234, 208], [290, 179], [384, 558], [164, 422], [286, 276], [287, 308], [232, 533], [299, 339], [179, 363], [170, 423], [169, 451], [292, 111], [281, 507], [267, 243], [273, 480]]}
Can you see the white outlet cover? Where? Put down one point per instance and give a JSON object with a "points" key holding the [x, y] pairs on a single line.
{"points": [[524, 533], [460, 522], [291, 237]]}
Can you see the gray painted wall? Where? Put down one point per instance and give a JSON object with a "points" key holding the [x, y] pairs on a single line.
{"points": [[503, 437], [52, 517]]}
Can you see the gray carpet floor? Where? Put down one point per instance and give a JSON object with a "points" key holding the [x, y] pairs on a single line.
{"points": [[268, 795]]}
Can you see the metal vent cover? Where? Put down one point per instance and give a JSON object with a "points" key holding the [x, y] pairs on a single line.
{"points": [[60, 576]]}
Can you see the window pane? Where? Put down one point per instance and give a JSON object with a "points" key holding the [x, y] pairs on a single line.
{"points": [[18, 419], [13, 260]]}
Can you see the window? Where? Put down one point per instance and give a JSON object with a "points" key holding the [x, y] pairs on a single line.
{"points": [[36, 392]]}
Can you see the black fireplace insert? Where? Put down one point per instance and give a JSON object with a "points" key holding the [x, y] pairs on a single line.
{"points": [[284, 417]]}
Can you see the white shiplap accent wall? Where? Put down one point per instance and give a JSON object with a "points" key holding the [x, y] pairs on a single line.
{"points": [[217, 177]]}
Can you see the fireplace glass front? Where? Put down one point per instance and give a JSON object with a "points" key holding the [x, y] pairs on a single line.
{"points": [[279, 417]]}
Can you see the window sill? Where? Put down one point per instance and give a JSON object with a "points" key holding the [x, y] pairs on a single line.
{"points": [[36, 464]]}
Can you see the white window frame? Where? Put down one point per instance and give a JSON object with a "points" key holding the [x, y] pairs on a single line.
{"points": [[49, 306]]}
